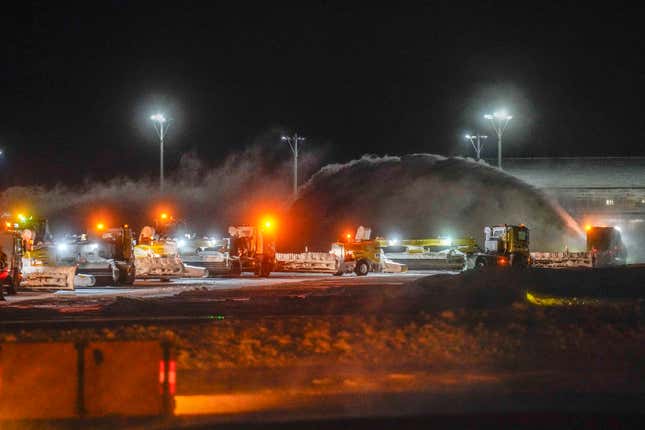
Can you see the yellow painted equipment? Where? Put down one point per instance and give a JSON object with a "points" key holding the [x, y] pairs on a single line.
{"points": [[437, 253], [158, 258], [504, 246]]}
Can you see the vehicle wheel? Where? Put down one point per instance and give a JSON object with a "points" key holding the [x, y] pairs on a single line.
{"points": [[362, 268], [266, 270], [236, 268], [14, 283], [116, 275], [480, 262], [128, 276]]}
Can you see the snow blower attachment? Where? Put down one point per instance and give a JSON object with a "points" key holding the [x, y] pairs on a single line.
{"points": [[605, 248], [158, 258]]}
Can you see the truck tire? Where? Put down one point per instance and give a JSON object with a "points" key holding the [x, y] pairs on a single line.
{"points": [[116, 275], [266, 269], [362, 268], [127, 277], [14, 283], [518, 261], [480, 262], [236, 268]]}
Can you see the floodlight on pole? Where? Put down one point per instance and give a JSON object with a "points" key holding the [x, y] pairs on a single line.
{"points": [[475, 141], [499, 121], [294, 144], [161, 126]]}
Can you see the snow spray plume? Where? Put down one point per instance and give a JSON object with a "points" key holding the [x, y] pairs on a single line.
{"points": [[423, 195], [209, 200]]}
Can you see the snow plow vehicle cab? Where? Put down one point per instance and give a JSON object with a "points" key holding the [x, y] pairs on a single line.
{"points": [[606, 247], [504, 246], [252, 249], [11, 247]]}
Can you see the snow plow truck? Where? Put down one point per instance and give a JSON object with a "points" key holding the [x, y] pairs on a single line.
{"points": [[504, 246]]}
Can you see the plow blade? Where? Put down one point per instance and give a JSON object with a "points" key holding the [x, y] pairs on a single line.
{"points": [[561, 260], [429, 260], [309, 262], [48, 277], [194, 272], [214, 262], [155, 267], [166, 267], [390, 266]]}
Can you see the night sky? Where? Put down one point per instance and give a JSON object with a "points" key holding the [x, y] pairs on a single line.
{"points": [[79, 81]]}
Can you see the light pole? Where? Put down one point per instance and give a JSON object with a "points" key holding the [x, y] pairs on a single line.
{"points": [[161, 126], [294, 143], [475, 141], [499, 121]]}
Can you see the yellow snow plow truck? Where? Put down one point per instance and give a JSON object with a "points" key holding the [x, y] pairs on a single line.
{"points": [[504, 246], [359, 255], [252, 249]]}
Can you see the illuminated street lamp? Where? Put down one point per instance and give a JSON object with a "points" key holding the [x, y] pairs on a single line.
{"points": [[475, 141], [499, 121], [294, 143], [161, 126]]}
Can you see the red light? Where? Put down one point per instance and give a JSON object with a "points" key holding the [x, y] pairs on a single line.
{"points": [[172, 375], [502, 261]]}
